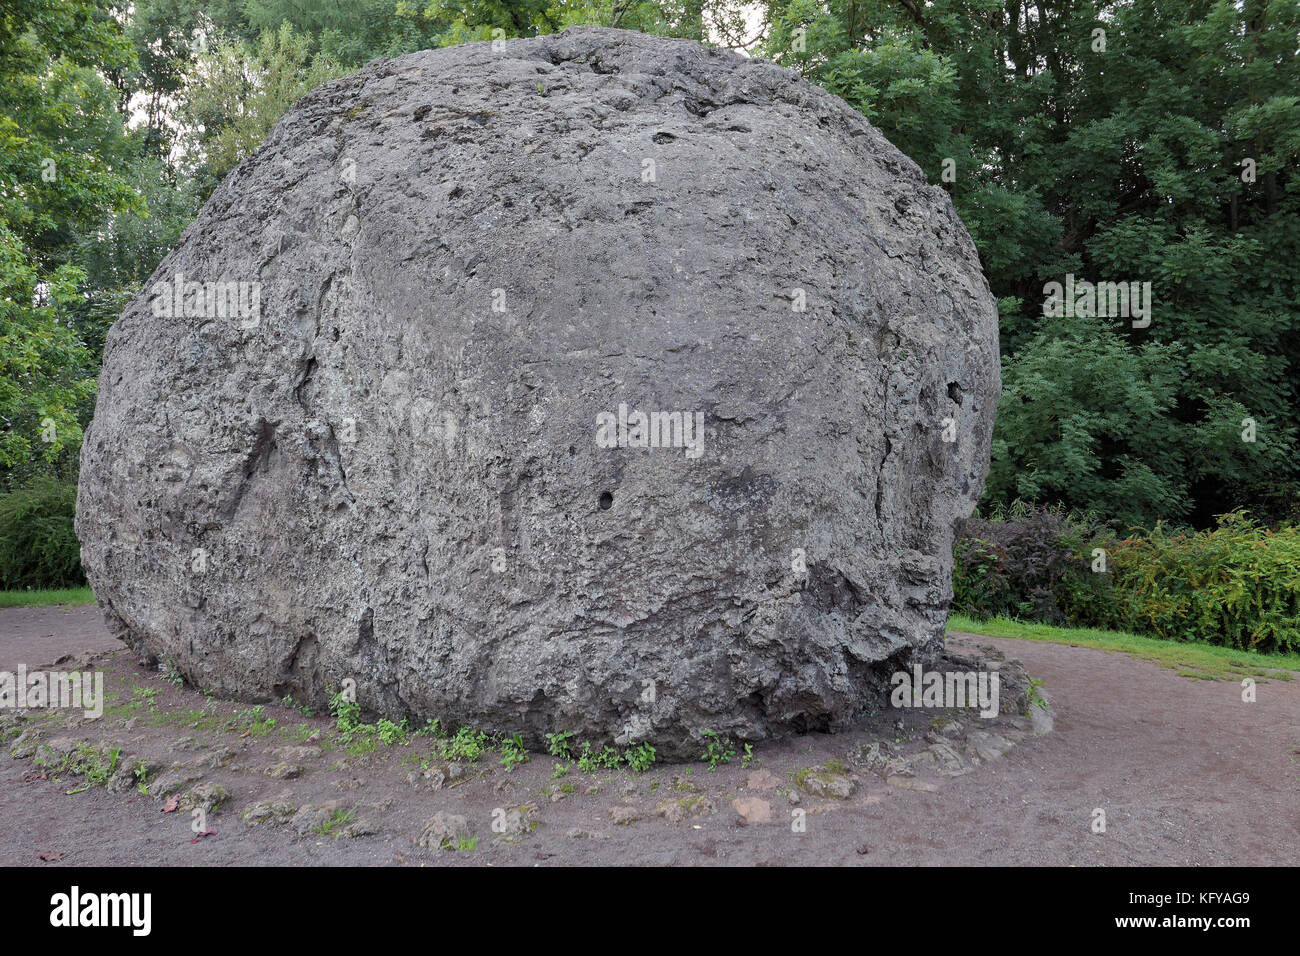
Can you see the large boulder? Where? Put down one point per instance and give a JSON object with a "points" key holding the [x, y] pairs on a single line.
{"points": [[378, 416]]}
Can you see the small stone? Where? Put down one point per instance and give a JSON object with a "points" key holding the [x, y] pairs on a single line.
{"points": [[284, 771], [752, 810], [873, 757], [675, 811], [123, 779], [943, 757], [623, 815], [174, 780], [1041, 720], [828, 781], [219, 758], [360, 828], [985, 745], [205, 796], [269, 811], [444, 831], [514, 824], [311, 817]]}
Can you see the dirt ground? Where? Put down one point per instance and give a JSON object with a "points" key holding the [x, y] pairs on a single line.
{"points": [[1185, 771]]}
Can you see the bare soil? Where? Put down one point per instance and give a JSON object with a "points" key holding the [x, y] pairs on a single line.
{"points": [[1186, 772]]}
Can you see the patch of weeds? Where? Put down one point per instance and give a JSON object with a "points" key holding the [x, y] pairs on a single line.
{"points": [[337, 819], [747, 757], [513, 752], [252, 722], [141, 773], [717, 750], [361, 744], [199, 719], [391, 733], [467, 744], [346, 714], [607, 759], [1036, 698], [561, 770], [558, 745], [467, 844], [167, 670], [360, 739], [640, 757], [432, 728], [303, 732], [83, 760], [288, 701]]}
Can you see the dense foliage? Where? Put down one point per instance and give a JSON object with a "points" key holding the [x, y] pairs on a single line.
{"points": [[38, 547], [1237, 585]]}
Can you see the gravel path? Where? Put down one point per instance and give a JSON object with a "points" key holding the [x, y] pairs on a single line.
{"points": [[1186, 773]]}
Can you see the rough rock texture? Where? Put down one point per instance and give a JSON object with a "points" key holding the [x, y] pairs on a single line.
{"points": [[391, 472]]}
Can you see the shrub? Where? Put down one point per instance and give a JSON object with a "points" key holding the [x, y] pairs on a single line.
{"points": [[38, 546], [1033, 563], [1237, 586]]}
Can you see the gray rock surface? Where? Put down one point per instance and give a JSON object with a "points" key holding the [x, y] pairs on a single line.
{"points": [[391, 470]]}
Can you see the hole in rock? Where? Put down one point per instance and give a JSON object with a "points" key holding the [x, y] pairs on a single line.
{"points": [[606, 501]]}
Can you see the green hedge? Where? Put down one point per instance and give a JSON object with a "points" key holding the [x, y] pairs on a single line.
{"points": [[38, 546], [1236, 586]]}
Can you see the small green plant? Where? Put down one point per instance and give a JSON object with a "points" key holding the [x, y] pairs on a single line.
{"points": [[717, 750], [1036, 697], [346, 714], [467, 744], [431, 728], [142, 777], [513, 752], [288, 701], [590, 762], [391, 733], [561, 770], [337, 819], [747, 757], [466, 844], [640, 757], [558, 745], [252, 722], [83, 760]]}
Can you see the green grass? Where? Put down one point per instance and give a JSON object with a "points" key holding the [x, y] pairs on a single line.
{"points": [[1196, 661], [44, 598]]}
